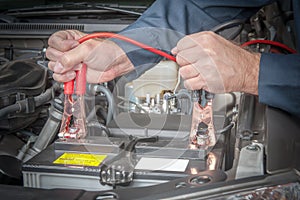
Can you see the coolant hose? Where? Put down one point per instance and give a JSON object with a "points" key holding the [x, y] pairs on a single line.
{"points": [[46, 96], [9, 109], [22, 105]]}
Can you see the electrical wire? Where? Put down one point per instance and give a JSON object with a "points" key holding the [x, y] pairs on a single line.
{"points": [[226, 128], [270, 42], [228, 24], [178, 83], [138, 106], [233, 35], [134, 42], [171, 57], [241, 22], [100, 126]]}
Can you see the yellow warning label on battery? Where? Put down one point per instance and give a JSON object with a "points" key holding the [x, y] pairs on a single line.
{"points": [[91, 160]]}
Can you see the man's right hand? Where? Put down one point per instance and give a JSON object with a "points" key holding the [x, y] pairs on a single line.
{"points": [[210, 62], [105, 60]]}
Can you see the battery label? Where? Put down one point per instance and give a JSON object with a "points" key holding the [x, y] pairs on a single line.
{"points": [[89, 160]]}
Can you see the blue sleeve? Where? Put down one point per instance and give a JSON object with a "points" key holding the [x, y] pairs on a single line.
{"points": [[279, 81], [164, 23]]}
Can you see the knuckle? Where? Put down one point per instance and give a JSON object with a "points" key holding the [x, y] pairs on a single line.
{"points": [[194, 68], [208, 34], [208, 37], [179, 59], [65, 60], [187, 84], [51, 38], [182, 59], [182, 72], [57, 77], [183, 43], [48, 53], [51, 65], [180, 43]]}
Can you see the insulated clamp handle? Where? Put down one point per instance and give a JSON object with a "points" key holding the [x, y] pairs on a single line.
{"points": [[69, 87], [81, 80]]}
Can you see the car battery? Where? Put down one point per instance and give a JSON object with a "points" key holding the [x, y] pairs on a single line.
{"points": [[76, 164]]}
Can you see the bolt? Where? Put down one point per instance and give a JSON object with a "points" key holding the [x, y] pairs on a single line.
{"points": [[253, 147]]}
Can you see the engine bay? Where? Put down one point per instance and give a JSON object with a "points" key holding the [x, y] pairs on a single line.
{"points": [[143, 140]]}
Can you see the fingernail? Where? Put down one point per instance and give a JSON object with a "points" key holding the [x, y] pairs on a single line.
{"points": [[58, 67], [75, 44], [174, 51]]}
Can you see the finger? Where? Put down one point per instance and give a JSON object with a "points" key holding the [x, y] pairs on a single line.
{"points": [[190, 55], [188, 71], [186, 42], [195, 83], [62, 41], [51, 65], [56, 67], [212, 84], [65, 77], [53, 54], [77, 67], [174, 51], [75, 56], [204, 65]]}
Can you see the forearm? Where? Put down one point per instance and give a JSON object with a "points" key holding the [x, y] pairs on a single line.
{"points": [[167, 21], [279, 83]]}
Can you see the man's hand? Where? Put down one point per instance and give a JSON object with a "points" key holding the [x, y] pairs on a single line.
{"points": [[215, 64], [105, 60]]}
